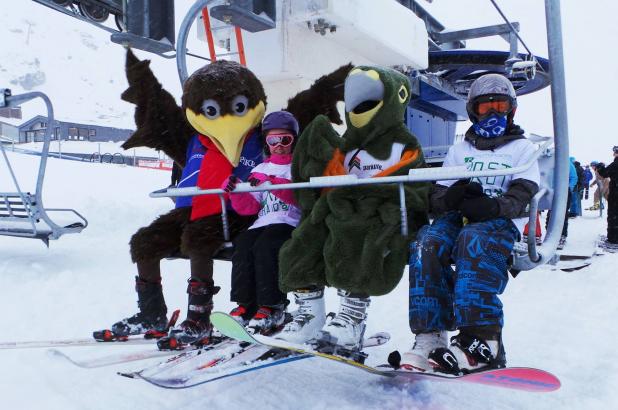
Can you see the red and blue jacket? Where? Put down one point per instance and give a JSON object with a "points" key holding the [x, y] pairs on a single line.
{"points": [[207, 168]]}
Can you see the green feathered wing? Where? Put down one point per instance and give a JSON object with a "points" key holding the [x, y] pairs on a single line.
{"points": [[301, 261]]}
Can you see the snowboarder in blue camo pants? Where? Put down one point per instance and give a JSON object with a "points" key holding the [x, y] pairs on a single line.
{"points": [[477, 223], [441, 298]]}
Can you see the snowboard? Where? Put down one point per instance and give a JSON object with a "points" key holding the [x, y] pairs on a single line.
{"points": [[518, 378]]}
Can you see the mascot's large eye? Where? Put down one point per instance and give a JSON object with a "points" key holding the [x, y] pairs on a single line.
{"points": [[240, 105], [211, 109], [402, 93]]}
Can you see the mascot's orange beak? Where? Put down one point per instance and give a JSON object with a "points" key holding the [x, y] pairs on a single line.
{"points": [[228, 132]]}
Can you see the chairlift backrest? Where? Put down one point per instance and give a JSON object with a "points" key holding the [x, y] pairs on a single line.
{"points": [[23, 214]]}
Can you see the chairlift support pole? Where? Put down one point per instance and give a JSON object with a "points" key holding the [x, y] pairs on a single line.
{"points": [[183, 36], [561, 128]]}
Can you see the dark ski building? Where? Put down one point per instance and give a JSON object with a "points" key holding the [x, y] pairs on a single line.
{"points": [[34, 130]]}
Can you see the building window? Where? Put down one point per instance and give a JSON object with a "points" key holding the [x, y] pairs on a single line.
{"points": [[29, 136], [72, 133], [92, 132], [57, 133], [83, 134]]}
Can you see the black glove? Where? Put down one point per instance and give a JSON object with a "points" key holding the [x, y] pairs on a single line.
{"points": [[254, 181], [455, 194], [477, 206], [231, 183], [474, 190]]}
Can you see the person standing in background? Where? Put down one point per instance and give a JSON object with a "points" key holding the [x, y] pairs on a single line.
{"points": [[611, 172], [578, 192], [587, 180]]}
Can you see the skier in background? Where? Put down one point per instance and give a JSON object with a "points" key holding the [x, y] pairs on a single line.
{"points": [[602, 186], [611, 172], [587, 180], [495, 211], [255, 263], [578, 193], [571, 193]]}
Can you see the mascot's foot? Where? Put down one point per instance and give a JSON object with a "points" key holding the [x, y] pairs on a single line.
{"points": [[348, 326], [197, 326], [308, 319], [152, 314], [191, 331]]}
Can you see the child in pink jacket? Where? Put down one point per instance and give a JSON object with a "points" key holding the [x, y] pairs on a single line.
{"points": [[255, 263]]}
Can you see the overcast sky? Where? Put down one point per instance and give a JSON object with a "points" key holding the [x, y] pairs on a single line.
{"points": [[590, 32]]}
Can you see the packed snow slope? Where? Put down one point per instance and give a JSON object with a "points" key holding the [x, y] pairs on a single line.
{"points": [[561, 322]]}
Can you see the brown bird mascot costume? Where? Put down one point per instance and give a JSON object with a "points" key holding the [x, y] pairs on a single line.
{"points": [[216, 133]]}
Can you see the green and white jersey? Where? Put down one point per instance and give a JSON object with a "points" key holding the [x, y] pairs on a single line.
{"points": [[512, 154]]}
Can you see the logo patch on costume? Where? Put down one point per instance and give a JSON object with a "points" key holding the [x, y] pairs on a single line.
{"points": [[196, 156], [372, 167], [355, 163], [247, 162]]}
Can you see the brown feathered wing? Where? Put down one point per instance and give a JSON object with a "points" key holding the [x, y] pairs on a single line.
{"points": [[161, 123]]}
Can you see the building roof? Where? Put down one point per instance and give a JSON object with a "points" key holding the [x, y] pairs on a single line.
{"points": [[58, 120]]}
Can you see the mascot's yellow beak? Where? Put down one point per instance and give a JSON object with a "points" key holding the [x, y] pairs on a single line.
{"points": [[364, 96], [228, 132]]}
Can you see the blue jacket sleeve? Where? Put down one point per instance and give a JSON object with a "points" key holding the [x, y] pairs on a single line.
{"points": [[572, 176]]}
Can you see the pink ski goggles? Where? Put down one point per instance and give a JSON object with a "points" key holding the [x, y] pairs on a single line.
{"points": [[280, 139]]}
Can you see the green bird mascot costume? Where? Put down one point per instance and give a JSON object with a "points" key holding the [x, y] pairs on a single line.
{"points": [[350, 237]]}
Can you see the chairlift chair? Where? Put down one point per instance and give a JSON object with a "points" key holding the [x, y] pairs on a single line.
{"points": [[22, 214], [553, 164]]}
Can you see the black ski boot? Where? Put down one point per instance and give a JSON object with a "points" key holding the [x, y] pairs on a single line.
{"points": [[196, 328], [152, 313], [474, 349]]}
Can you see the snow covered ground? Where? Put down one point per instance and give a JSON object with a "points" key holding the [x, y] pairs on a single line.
{"points": [[561, 322]]}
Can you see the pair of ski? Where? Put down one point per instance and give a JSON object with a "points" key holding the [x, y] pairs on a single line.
{"points": [[238, 352]]}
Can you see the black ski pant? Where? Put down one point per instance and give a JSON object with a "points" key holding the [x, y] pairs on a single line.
{"points": [[612, 216], [255, 266]]}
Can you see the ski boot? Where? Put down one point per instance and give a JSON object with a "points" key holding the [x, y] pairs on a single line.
{"points": [[267, 318], [196, 328], [470, 352], [242, 314], [152, 314], [607, 246], [308, 319], [343, 335], [418, 358]]}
